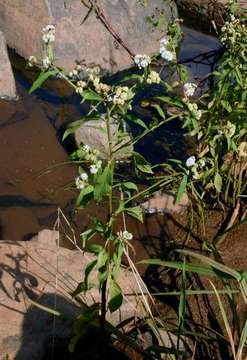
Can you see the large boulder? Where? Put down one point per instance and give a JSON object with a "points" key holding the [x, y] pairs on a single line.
{"points": [[46, 273], [89, 40], [7, 81]]}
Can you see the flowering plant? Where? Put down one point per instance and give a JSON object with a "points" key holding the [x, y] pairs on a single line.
{"points": [[216, 121]]}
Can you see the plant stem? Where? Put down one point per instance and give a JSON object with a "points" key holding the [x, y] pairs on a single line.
{"points": [[110, 210]]}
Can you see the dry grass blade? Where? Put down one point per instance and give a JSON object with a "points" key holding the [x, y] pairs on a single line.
{"points": [[227, 325]]}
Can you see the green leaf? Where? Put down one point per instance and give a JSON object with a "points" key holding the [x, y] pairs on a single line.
{"points": [[226, 105], [170, 101], [85, 286], [94, 248], [42, 78], [91, 95], [81, 287], [116, 297], [159, 110], [218, 182], [103, 183], [181, 189], [137, 121], [142, 164], [129, 186], [103, 257], [196, 268], [135, 212], [183, 72], [85, 196], [87, 235], [117, 258]]}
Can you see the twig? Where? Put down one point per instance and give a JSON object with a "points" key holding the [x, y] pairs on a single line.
{"points": [[99, 12]]}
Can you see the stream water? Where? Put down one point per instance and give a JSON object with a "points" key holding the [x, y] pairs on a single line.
{"points": [[33, 181]]}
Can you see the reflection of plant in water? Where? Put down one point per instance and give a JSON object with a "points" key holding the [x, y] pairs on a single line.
{"points": [[216, 121]]}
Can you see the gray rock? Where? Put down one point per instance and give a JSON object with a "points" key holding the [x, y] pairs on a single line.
{"points": [[46, 273], [22, 22], [7, 81], [94, 134], [165, 202]]}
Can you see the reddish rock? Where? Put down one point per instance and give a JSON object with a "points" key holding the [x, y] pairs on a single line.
{"points": [[22, 22], [41, 270], [7, 81]]}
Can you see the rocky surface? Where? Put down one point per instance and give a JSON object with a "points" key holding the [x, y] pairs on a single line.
{"points": [[94, 134], [205, 11], [7, 81], [46, 273], [79, 33], [163, 203]]}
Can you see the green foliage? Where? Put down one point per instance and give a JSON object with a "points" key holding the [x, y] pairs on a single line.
{"points": [[214, 173]]}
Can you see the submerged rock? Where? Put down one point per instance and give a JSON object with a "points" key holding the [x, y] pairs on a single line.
{"points": [[7, 81], [46, 273], [80, 34]]}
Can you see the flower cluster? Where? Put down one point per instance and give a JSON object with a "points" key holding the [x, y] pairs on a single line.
{"points": [[142, 61], [166, 50], [195, 166], [32, 61], [189, 89], [193, 108], [81, 181], [46, 62], [48, 34], [229, 129], [102, 89], [80, 85], [242, 149], [121, 95], [93, 73], [90, 155], [231, 31], [125, 235], [153, 78]]}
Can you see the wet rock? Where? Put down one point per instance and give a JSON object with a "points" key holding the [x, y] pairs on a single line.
{"points": [[165, 203], [7, 81], [89, 40], [46, 273], [94, 134]]}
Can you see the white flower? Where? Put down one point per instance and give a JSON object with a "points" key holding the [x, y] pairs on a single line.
{"points": [[229, 129], [164, 41], [46, 62], [48, 28], [48, 38], [80, 184], [48, 34], [121, 95], [125, 235], [153, 78], [189, 89], [32, 61], [93, 169], [193, 108], [142, 61], [242, 149], [190, 161], [83, 176], [86, 148], [98, 164], [166, 54], [198, 114]]}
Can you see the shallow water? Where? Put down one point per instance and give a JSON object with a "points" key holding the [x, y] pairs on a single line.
{"points": [[33, 181]]}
